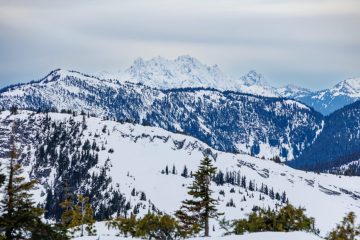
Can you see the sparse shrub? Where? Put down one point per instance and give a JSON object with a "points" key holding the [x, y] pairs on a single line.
{"points": [[286, 219]]}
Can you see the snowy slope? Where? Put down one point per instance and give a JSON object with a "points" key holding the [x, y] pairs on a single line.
{"points": [[62, 89], [140, 154]]}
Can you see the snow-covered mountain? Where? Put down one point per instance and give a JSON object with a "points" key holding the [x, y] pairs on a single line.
{"points": [[188, 72], [330, 100], [225, 120], [122, 167], [293, 91]]}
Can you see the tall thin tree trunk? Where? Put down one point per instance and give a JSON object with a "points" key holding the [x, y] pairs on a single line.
{"points": [[82, 218], [207, 190], [206, 226]]}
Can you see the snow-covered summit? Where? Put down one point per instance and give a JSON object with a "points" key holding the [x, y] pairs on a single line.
{"points": [[328, 100], [253, 77], [255, 83], [185, 71], [293, 91], [349, 87], [188, 72]]}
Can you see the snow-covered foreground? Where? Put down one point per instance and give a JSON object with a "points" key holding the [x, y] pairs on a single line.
{"points": [[141, 153], [249, 236], [105, 234]]}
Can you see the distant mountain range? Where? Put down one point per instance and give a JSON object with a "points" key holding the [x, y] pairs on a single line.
{"points": [[188, 72], [226, 120], [234, 115]]}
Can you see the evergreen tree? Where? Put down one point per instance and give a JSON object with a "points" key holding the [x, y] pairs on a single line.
{"points": [[69, 218], [77, 215], [346, 230], [20, 216], [243, 182], [251, 186], [185, 172], [84, 209], [142, 196], [14, 110], [195, 213]]}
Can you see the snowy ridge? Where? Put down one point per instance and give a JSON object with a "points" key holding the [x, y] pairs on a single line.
{"points": [[293, 91], [349, 87], [188, 72], [140, 154], [329, 100], [227, 121]]}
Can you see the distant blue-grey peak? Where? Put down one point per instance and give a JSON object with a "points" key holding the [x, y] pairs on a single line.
{"points": [[188, 72]]}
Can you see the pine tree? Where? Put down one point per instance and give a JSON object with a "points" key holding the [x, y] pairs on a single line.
{"points": [[195, 213], [84, 210], [69, 218], [346, 230], [20, 216], [14, 110], [77, 215], [185, 172], [251, 186]]}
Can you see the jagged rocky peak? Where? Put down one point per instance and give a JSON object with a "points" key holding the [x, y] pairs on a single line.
{"points": [[184, 71], [349, 87], [293, 91], [253, 77]]}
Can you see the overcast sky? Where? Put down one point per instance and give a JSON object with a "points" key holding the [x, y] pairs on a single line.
{"points": [[313, 43]]}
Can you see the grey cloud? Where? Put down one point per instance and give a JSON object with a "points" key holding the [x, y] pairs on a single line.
{"points": [[314, 43]]}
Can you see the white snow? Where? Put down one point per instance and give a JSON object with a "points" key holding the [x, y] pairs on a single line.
{"points": [[142, 152]]}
